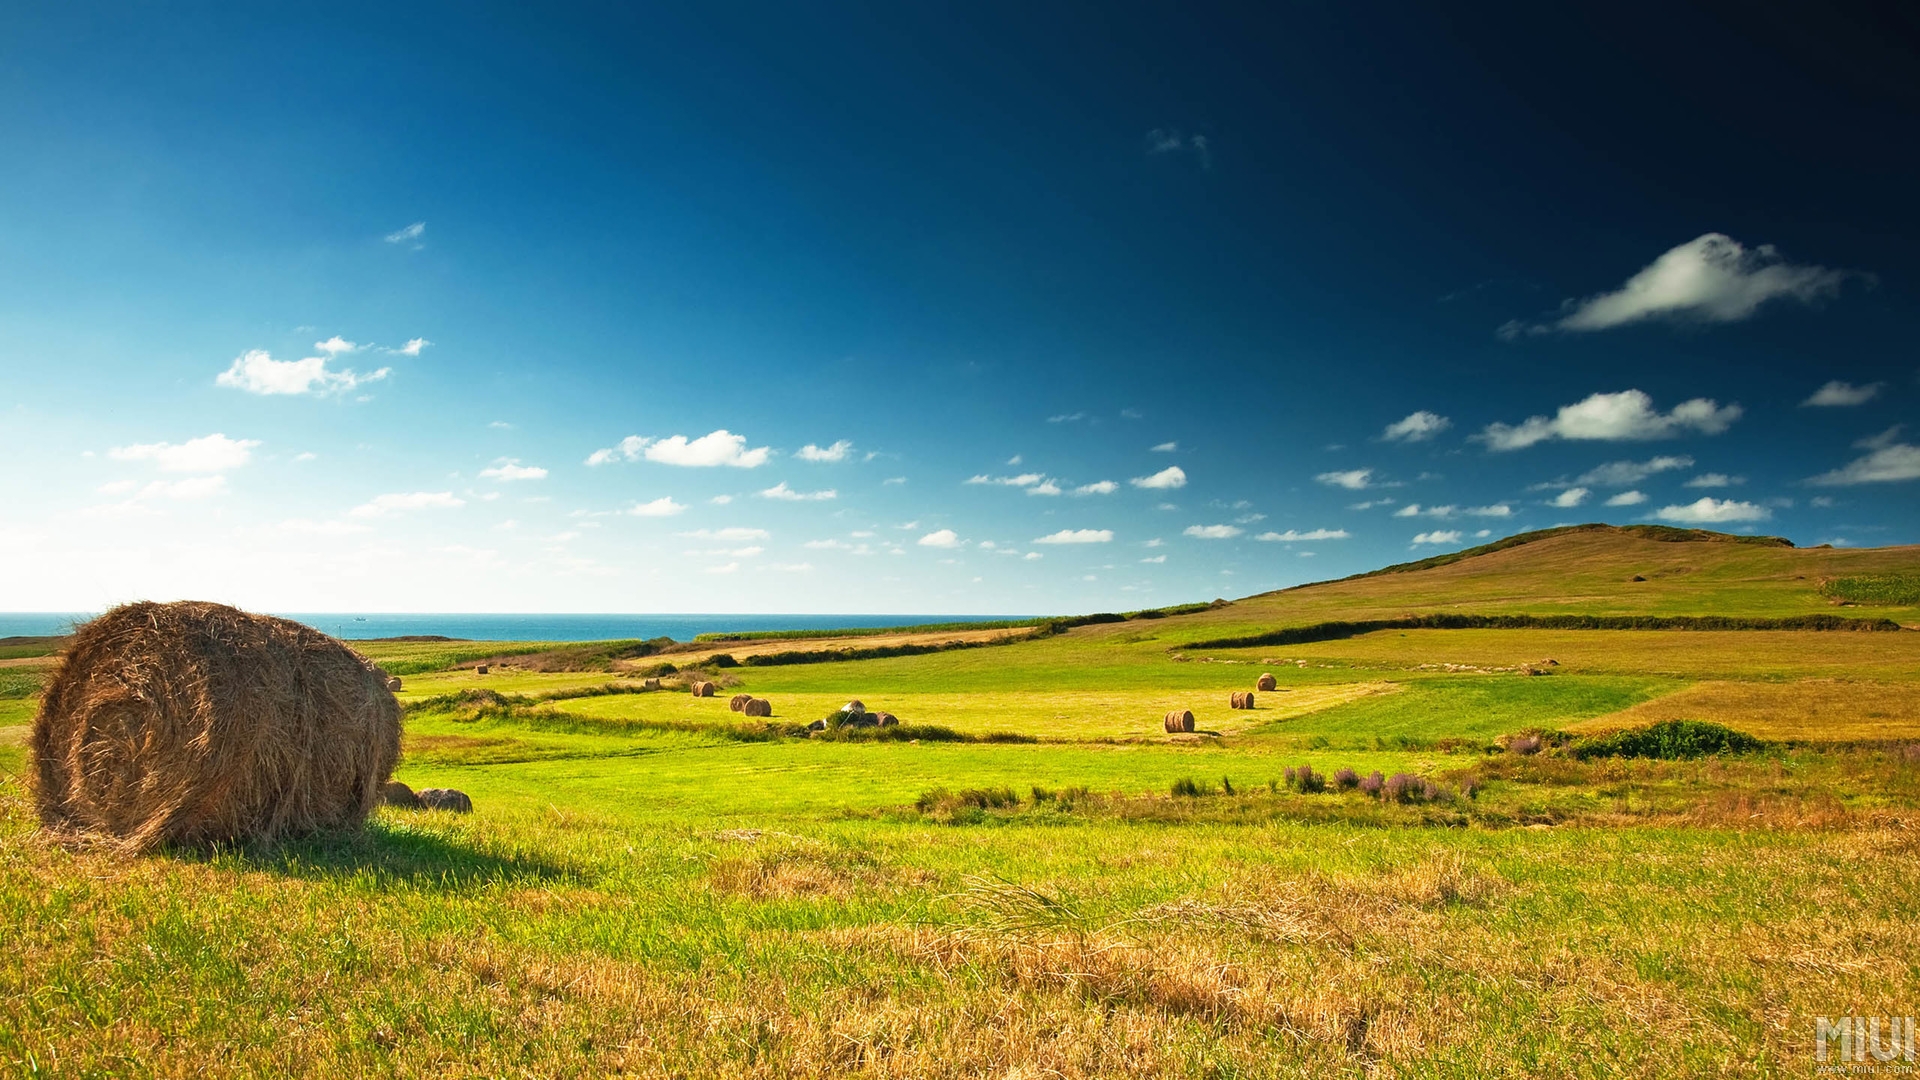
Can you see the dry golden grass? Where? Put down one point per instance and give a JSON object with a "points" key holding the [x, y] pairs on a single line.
{"points": [[740, 650], [1810, 710]]}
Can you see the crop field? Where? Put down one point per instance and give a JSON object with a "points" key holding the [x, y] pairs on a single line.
{"points": [[1030, 878]]}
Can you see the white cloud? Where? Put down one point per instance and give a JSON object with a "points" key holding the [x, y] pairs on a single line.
{"points": [[828, 545], [731, 532], [1077, 536], [1417, 427], [837, 452], [791, 568], [1497, 510], [257, 372], [1711, 511], [1044, 487], [1712, 278], [413, 346], [1214, 532], [1351, 479], [307, 527], [1155, 559], [1844, 393], [784, 493], [381, 505], [1165, 448], [940, 538], [1889, 461], [1098, 487], [721, 500], [1450, 536], [409, 235], [1409, 510], [1033, 556], [1628, 498], [1570, 498], [511, 469], [1292, 536], [664, 506], [1066, 418], [1170, 141], [1022, 480], [1626, 415], [1714, 480], [1628, 473], [723, 568], [305, 455], [720, 447], [1173, 476], [206, 454], [191, 488], [891, 480], [1370, 504], [336, 345], [1822, 501]]}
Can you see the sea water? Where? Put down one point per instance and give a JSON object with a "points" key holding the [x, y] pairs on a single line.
{"points": [[527, 627]]}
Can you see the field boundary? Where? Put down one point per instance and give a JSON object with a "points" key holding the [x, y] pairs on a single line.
{"points": [[1335, 631]]}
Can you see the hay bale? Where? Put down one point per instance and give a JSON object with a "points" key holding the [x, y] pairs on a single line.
{"points": [[1243, 699], [1266, 682], [817, 725], [393, 685], [480, 669], [395, 793], [446, 798], [739, 702], [854, 706], [758, 707], [1180, 720], [650, 684], [885, 719], [701, 688], [197, 723]]}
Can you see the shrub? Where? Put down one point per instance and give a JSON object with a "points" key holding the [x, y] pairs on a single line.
{"points": [[1189, 788], [1305, 781], [1669, 739], [1529, 743], [1373, 783], [1346, 779], [942, 801], [1406, 788]]}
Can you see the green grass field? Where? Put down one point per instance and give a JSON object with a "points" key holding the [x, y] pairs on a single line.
{"points": [[653, 885]]}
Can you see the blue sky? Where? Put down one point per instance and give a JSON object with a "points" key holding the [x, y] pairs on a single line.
{"points": [[880, 308]]}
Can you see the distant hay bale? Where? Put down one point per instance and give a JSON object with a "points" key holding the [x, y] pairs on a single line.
{"points": [[757, 707], [854, 706], [1180, 720], [393, 684], [395, 793], [701, 688], [1243, 699], [739, 702], [480, 669], [650, 684], [1267, 682], [442, 798], [197, 723], [885, 719]]}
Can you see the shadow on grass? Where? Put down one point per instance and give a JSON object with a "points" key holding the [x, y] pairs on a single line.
{"points": [[390, 853]]}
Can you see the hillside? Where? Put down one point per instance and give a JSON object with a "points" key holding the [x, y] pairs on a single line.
{"points": [[1587, 570]]}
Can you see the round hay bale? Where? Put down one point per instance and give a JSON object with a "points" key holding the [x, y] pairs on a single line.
{"points": [[393, 685], [853, 706], [885, 719], [196, 723], [702, 688], [446, 798], [1243, 699], [758, 707], [739, 702], [1180, 720], [395, 793], [1266, 682], [650, 684], [480, 669]]}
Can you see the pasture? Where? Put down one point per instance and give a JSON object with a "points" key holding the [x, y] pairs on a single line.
{"points": [[654, 885]]}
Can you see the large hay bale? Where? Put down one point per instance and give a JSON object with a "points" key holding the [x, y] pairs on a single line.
{"points": [[1243, 699], [395, 793], [446, 798], [197, 723], [758, 707], [702, 688], [854, 706], [739, 702], [1180, 720], [1266, 682], [885, 719]]}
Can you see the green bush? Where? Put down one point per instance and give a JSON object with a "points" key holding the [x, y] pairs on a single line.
{"points": [[1884, 590], [1669, 739]]}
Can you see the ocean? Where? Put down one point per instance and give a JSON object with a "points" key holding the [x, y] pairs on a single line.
{"points": [[353, 625]]}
